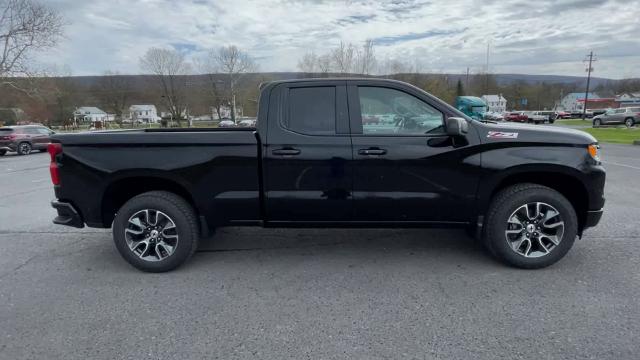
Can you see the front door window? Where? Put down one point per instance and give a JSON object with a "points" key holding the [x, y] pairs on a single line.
{"points": [[392, 112]]}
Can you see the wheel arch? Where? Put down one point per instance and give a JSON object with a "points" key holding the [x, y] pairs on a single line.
{"points": [[121, 190], [563, 179]]}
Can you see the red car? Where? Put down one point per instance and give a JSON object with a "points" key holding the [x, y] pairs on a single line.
{"points": [[24, 139], [517, 117]]}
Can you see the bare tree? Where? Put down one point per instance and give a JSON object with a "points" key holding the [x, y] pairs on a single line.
{"points": [[62, 96], [170, 68], [366, 58], [234, 63], [26, 27], [343, 58], [113, 90], [324, 64], [309, 63], [213, 89]]}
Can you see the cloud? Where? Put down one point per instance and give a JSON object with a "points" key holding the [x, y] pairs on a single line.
{"points": [[389, 40], [548, 37]]}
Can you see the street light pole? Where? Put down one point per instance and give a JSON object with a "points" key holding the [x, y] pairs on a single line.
{"points": [[586, 94]]}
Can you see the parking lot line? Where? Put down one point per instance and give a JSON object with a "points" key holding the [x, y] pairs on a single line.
{"points": [[618, 164]]}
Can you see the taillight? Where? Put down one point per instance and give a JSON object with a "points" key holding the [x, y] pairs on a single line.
{"points": [[54, 149]]}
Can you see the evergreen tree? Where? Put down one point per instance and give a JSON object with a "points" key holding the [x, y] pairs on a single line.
{"points": [[459, 88]]}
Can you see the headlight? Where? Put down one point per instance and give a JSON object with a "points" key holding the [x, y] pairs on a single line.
{"points": [[594, 151]]}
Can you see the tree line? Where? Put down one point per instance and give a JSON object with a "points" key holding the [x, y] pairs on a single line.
{"points": [[223, 77]]}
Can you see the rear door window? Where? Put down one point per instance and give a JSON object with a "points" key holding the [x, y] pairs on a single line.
{"points": [[312, 110]]}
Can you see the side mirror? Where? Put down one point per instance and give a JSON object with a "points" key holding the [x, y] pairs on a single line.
{"points": [[457, 126]]}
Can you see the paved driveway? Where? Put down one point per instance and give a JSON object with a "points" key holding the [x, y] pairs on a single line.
{"points": [[321, 294]]}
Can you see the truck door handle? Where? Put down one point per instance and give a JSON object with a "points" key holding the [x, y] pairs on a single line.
{"points": [[286, 151], [372, 151]]}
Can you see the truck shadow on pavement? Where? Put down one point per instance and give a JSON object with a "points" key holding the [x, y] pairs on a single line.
{"points": [[443, 246]]}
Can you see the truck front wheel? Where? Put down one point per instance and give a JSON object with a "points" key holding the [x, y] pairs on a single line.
{"points": [[530, 226], [156, 231]]}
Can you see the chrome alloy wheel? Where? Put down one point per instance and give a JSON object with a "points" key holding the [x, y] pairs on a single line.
{"points": [[534, 229], [151, 235]]}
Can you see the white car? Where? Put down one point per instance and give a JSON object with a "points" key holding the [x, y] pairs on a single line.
{"points": [[496, 116], [247, 123], [536, 117], [226, 124]]}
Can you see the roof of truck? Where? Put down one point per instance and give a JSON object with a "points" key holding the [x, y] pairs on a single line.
{"points": [[287, 81]]}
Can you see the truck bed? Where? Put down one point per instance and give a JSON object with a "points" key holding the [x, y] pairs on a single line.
{"points": [[222, 164]]}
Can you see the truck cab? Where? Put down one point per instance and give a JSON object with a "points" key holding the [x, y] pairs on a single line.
{"points": [[472, 106]]}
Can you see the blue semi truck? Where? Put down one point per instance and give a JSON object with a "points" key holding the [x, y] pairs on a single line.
{"points": [[472, 106]]}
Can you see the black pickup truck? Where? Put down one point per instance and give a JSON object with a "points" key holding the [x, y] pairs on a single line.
{"points": [[334, 153]]}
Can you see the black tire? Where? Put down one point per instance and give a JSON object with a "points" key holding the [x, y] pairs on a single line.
{"points": [[3, 152], [628, 122], [179, 211], [597, 123], [24, 148], [505, 203]]}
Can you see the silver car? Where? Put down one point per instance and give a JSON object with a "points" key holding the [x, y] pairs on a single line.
{"points": [[627, 116]]}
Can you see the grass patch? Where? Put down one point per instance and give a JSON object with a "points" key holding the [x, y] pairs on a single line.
{"points": [[574, 122], [615, 135]]}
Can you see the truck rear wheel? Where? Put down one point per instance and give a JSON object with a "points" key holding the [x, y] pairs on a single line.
{"points": [[530, 226], [156, 231]]}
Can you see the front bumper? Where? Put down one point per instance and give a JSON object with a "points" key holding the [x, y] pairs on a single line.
{"points": [[67, 214], [593, 218]]}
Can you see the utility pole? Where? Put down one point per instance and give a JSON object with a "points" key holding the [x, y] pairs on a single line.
{"points": [[466, 85], [486, 75], [586, 94]]}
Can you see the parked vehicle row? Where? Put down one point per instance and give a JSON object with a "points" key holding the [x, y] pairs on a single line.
{"points": [[627, 116], [246, 123], [532, 117], [24, 139]]}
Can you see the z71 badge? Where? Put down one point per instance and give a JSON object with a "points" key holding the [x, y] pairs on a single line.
{"points": [[502, 135]]}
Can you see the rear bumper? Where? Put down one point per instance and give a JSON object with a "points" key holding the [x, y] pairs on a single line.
{"points": [[593, 218], [67, 214], [7, 145]]}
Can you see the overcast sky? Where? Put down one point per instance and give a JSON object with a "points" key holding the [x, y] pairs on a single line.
{"points": [[530, 37]]}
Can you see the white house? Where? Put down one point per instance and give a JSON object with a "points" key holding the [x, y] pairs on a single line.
{"points": [[575, 101], [91, 114], [495, 103], [144, 113], [628, 99]]}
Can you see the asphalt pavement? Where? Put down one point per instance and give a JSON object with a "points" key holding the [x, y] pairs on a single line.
{"points": [[314, 294]]}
